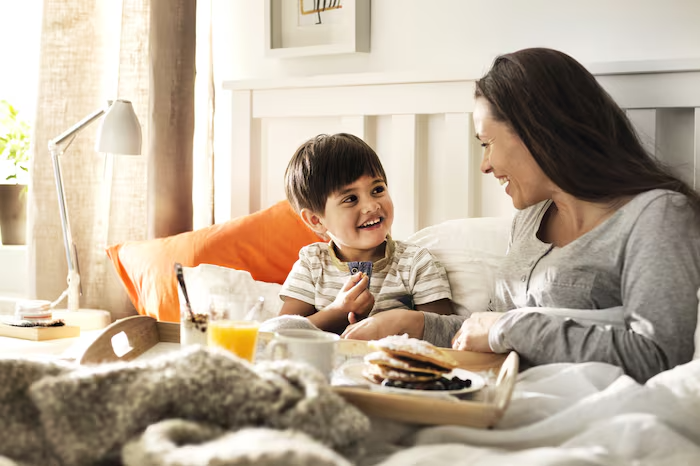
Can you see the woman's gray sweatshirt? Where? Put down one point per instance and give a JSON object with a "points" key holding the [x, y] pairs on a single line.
{"points": [[623, 293]]}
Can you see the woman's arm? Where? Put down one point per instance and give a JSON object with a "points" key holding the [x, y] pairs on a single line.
{"points": [[660, 277], [439, 329]]}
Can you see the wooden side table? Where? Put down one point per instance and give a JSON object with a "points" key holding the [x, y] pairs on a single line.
{"points": [[62, 348]]}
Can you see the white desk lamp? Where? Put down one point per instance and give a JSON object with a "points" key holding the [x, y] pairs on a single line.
{"points": [[119, 133]]}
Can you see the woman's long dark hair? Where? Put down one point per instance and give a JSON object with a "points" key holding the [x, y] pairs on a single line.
{"points": [[578, 135]]}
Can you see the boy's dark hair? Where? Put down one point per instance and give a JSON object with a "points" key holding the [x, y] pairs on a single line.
{"points": [[323, 165]]}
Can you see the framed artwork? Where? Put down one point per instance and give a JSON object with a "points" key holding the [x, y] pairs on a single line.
{"points": [[297, 28]]}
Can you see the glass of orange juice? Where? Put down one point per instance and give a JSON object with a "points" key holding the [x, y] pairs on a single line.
{"points": [[230, 326]]}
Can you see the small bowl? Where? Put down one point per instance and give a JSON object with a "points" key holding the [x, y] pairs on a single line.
{"points": [[37, 310]]}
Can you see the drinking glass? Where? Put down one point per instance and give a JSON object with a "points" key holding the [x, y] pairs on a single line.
{"points": [[231, 326], [193, 331]]}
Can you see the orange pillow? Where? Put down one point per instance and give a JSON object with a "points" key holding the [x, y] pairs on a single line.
{"points": [[265, 243]]}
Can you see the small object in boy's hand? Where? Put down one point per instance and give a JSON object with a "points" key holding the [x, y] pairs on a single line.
{"points": [[364, 267]]}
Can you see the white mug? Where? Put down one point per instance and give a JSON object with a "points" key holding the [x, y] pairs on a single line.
{"points": [[314, 347]]}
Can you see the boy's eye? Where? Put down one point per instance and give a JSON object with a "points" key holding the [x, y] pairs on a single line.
{"points": [[350, 199], [379, 190]]}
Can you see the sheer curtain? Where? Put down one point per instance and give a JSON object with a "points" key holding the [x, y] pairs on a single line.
{"points": [[91, 52], [205, 112]]}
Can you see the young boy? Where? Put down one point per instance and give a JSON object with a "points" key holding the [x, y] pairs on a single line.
{"points": [[338, 186]]}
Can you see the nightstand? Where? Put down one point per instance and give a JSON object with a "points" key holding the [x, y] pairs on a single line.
{"points": [[62, 348]]}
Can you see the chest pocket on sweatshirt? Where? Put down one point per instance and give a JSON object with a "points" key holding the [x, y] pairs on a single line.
{"points": [[564, 288]]}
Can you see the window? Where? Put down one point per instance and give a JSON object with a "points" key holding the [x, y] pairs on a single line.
{"points": [[20, 36]]}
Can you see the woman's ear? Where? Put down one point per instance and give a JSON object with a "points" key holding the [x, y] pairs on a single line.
{"points": [[315, 222]]}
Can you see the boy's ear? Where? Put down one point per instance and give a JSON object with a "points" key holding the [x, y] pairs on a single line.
{"points": [[314, 222]]}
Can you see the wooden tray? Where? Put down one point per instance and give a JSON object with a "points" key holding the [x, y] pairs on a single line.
{"points": [[483, 410], [126, 339]]}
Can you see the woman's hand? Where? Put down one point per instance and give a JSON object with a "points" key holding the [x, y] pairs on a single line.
{"points": [[474, 334], [385, 323]]}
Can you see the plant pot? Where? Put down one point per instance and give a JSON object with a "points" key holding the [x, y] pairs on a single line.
{"points": [[13, 214]]}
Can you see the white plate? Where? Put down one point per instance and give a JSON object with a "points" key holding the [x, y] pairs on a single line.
{"points": [[352, 372]]}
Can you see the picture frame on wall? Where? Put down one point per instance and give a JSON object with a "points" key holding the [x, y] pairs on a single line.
{"points": [[299, 28]]}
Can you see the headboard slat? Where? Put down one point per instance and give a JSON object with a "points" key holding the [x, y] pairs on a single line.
{"points": [[423, 132]]}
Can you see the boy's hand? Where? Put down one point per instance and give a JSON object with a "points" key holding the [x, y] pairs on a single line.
{"points": [[354, 298]]}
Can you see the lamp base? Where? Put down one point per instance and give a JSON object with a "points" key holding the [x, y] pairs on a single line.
{"points": [[86, 319]]}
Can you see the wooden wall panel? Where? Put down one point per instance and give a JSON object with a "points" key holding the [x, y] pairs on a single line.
{"points": [[424, 135]]}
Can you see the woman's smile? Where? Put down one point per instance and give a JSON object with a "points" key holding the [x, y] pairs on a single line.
{"points": [[504, 152]]}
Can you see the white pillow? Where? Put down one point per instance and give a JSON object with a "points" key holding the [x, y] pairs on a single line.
{"points": [[470, 250], [207, 279]]}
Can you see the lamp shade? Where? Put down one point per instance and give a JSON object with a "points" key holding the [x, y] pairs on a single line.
{"points": [[120, 130]]}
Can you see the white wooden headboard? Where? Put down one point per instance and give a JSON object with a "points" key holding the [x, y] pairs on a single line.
{"points": [[420, 125]]}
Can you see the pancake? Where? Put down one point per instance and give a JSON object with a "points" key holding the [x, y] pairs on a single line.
{"points": [[374, 372], [403, 347], [383, 359]]}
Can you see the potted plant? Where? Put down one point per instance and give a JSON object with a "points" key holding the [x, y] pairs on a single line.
{"points": [[14, 173]]}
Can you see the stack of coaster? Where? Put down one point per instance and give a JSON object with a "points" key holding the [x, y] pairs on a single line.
{"points": [[404, 362]]}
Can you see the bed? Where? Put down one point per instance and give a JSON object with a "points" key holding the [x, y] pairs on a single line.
{"points": [[420, 125]]}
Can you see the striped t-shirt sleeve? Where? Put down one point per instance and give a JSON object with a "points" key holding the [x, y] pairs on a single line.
{"points": [[299, 283], [429, 279]]}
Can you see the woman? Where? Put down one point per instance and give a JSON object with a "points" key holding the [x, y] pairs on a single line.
{"points": [[604, 256]]}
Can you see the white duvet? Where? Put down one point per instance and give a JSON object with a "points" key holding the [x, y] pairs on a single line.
{"points": [[566, 414]]}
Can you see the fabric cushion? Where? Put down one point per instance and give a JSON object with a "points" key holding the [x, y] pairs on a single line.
{"points": [[265, 243], [470, 250], [207, 280]]}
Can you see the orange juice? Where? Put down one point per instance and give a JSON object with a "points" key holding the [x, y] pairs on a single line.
{"points": [[237, 336]]}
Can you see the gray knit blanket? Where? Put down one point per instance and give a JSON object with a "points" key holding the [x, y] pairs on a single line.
{"points": [[196, 406]]}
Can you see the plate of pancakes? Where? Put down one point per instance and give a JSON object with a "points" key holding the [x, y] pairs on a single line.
{"points": [[399, 364]]}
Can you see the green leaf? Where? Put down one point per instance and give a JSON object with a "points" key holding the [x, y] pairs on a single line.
{"points": [[15, 139]]}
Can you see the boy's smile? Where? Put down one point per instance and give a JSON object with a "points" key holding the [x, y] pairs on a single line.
{"points": [[375, 223], [358, 219]]}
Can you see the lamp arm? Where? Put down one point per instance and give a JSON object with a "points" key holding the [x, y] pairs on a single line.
{"points": [[85, 122], [74, 288]]}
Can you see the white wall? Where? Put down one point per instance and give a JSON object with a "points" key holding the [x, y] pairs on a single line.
{"points": [[457, 38], [13, 273], [20, 36], [464, 35]]}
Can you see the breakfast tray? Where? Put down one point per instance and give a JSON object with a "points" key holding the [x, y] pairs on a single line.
{"points": [[129, 338]]}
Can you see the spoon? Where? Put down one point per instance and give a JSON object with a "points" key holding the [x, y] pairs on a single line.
{"points": [[181, 281]]}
